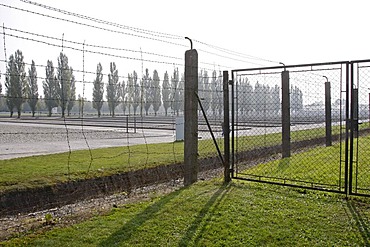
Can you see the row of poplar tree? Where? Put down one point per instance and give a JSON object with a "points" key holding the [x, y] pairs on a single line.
{"points": [[59, 88], [265, 99], [20, 87]]}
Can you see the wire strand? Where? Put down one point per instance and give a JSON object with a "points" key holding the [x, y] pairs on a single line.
{"points": [[139, 30]]}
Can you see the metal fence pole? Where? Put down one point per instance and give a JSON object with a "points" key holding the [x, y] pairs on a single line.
{"points": [[191, 118], [126, 124], [347, 190], [134, 124], [285, 114], [226, 127], [352, 127]]}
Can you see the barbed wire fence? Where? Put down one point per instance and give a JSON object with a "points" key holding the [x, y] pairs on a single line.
{"points": [[81, 168]]}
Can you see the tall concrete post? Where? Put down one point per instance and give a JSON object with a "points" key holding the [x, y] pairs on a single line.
{"points": [[355, 110], [328, 114], [191, 118], [285, 114]]}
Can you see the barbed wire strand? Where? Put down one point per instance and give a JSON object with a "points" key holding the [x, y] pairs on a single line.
{"points": [[91, 45], [115, 31], [81, 71], [149, 32], [105, 47], [139, 30], [93, 52], [234, 53], [92, 26], [102, 53], [77, 100]]}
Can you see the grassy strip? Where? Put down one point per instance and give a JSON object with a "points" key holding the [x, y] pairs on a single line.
{"points": [[42, 170], [36, 171], [320, 165], [239, 214], [246, 143], [212, 214]]}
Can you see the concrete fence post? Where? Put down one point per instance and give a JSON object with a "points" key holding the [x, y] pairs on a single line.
{"points": [[285, 114], [191, 118], [328, 114]]}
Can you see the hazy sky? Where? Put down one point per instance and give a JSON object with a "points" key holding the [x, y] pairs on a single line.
{"points": [[286, 31]]}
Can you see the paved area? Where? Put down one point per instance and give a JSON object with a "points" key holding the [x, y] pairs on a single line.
{"points": [[32, 136], [20, 139]]}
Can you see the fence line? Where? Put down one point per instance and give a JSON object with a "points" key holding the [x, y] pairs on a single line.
{"points": [[142, 149]]}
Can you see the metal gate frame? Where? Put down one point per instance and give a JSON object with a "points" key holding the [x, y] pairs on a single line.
{"points": [[355, 83], [350, 129]]}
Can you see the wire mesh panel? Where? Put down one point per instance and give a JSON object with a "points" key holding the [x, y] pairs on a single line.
{"points": [[360, 171], [109, 123], [317, 114], [257, 114], [211, 100]]}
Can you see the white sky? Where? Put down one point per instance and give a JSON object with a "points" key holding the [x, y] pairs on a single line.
{"points": [[286, 31]]}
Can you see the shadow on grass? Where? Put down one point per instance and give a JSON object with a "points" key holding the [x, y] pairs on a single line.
{"points": [[128, 229], [361, 221], [199, 225]]}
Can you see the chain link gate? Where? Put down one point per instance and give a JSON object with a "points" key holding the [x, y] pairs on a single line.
{"points": [[302, 131], [359, 175]]}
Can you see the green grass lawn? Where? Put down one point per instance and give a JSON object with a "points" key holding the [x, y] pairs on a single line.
{"points": [[209, 213], [44, 170], [37, 171], [319, 165]]}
